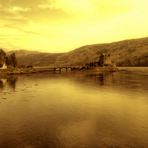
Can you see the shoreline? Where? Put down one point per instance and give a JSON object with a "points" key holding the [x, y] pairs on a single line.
{"points": [[23, 71], [20, 71]]}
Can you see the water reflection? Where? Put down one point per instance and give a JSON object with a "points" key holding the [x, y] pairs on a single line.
{"points": [[118, 80], [8, 82], [102, 78], [1, 84], [12, 82], [74, 110]]}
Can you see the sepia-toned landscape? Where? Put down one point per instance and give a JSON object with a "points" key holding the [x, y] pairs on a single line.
{"points": [[73, 74]]}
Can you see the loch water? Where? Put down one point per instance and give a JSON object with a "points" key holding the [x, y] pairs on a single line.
{"points": [[75, 110]]}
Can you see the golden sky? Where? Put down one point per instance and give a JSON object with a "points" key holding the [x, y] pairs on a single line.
{"points": [[62, 25]]}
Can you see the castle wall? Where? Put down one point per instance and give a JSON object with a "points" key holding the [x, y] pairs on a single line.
{"points": [[107, 60]]}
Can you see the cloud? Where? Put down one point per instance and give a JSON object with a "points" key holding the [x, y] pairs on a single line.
{"points": [[16, 9], [22, 3], [38, 10], [93, 8], [71, 23], [14, 12], [20, 29]]}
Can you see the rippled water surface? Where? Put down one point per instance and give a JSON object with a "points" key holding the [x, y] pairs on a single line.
{"points": [[74, 110]]}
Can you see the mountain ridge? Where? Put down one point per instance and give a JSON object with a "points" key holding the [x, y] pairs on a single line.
{"points": [[132, 52]]}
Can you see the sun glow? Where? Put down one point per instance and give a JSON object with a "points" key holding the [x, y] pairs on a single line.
{"points": [[75, 6]]}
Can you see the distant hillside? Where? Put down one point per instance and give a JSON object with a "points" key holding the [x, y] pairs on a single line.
{"points": [[124, 53], [35, 58]]}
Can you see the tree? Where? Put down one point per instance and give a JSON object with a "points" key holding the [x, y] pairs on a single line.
{"points": [[2, 57], [11, 60]]}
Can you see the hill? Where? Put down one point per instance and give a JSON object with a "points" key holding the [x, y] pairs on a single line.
{"points": [[124, 53], [25, 57]]}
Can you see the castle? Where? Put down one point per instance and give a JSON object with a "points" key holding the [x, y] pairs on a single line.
{"points": [[105, 60]]}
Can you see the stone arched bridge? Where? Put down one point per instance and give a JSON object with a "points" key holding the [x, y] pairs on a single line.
{"points": [[60, 68]]}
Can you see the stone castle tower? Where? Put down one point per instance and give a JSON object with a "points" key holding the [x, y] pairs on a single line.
{"points": [[105, 59]]}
